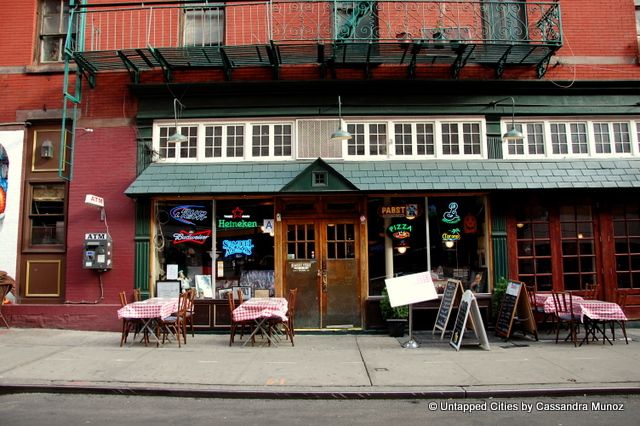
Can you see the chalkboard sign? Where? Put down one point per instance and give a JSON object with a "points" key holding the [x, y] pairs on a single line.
{"points": [[451, 295], [515, 306], [459, 326], [468, 305]]}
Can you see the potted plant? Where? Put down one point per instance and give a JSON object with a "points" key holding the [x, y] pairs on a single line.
{"points": [[396, 318]]}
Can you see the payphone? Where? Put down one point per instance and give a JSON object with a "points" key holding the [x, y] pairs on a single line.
{"points": [[97, 251]]}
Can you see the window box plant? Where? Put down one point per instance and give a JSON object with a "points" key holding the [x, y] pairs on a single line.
{"points": [[396, 317]]}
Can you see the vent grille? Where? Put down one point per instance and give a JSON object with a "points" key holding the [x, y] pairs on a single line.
{"points": [[313, 139]]}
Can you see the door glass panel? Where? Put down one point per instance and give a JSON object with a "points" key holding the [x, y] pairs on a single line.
{"points": [[342, 287], [301, 272]]}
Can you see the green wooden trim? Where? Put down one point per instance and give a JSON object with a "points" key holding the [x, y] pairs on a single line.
{"points": [[499, 244], [142, 247]]}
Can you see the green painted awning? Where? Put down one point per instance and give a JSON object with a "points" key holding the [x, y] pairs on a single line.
{"points": [[383, 176]]}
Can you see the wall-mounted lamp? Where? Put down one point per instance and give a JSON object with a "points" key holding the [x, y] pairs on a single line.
{"points": [[46, 150], [177, 137], [512, 135], [449, 244], [340, 134], [402, 247]]}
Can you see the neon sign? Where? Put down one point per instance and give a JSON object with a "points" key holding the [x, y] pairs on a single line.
{"points": [[451, 216], [187, 214], [400, 231], [231, 221], [451, 235], [232, 247], [191, 237], [408, 211], [241, 224]]}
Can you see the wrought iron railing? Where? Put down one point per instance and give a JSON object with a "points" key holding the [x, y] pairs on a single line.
{"points": [[94, 28]]}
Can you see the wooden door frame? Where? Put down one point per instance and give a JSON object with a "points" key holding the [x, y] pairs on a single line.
{"points": [[359, 219]]}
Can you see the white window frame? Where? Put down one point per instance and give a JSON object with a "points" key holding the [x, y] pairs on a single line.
{"points": [[201, 138], [591, 123], [458, 123]]}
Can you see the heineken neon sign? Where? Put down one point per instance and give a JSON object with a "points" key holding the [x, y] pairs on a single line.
{"points": [[237, 220], [236, 224]]}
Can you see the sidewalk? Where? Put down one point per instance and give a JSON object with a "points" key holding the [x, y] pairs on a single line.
{"points": [[319, 366]]}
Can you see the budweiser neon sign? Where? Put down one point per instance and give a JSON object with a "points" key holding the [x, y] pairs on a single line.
{"points": [[191, 237]]}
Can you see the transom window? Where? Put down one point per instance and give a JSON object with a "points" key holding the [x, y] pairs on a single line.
{"points": [[580, 138]]}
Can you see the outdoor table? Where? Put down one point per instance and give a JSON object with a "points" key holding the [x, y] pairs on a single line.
{"points": [[261, 310], [149, 311], [550, 306], [593, 312]]}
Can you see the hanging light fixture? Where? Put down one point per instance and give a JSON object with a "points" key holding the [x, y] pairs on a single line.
{"points": [[46, 150], [340, 134], [513, 134], [177, 137]]}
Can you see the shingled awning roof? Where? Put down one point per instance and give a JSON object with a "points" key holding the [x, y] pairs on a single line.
{"points": [[382, 176]]}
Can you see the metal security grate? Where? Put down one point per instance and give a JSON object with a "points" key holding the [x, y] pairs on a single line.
{"points": [[314, 139]]}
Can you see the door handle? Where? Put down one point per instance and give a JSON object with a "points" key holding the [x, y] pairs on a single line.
{"points": [[324, 280]]}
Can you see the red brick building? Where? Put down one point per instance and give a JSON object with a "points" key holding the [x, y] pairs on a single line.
{"points": [[426, 89]]}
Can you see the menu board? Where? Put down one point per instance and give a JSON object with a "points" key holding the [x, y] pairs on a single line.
{"points": [[452, 292], [515, 306], [469, 306], [168, 288]]}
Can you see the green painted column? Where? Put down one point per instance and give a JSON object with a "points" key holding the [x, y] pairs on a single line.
{"points": [[499, 242], [142, 247]]}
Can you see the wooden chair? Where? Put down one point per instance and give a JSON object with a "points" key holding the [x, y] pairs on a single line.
{"points": [[5, 288], [538, 311], [591, 292], [288, 325], [236, 324], [621, 300], [175, 323], [190, 311], [240, 296], [136, 295], [564, 315], [128, 324]]}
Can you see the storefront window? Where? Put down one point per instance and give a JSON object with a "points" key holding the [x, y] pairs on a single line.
{"points": [[184, 238], [242, 234], [454, 227], [244, 248], [458, 241]]}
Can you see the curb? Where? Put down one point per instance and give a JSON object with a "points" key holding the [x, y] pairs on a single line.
{"points": [[457, 393]]}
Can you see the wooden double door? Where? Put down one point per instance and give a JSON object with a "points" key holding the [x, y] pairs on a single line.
{"points": [[322, 260]]}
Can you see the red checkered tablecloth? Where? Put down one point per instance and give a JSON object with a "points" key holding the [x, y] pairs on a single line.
{"points": [[550, 306], [601, 311], [156, 307], [261, 307]]}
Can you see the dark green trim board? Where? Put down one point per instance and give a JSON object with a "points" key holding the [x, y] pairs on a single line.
{"points": [[499, 242], [386, 97], [142, 247]]}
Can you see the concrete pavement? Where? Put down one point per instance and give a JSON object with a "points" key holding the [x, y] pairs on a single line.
{"points": [[327, 365]]}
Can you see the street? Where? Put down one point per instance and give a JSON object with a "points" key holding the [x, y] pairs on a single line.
{"points": [[67, 409]]}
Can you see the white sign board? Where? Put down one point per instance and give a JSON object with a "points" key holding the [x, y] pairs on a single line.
{"points": [[469, 305], [409, 289], [94, 200], [168, 289]]}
